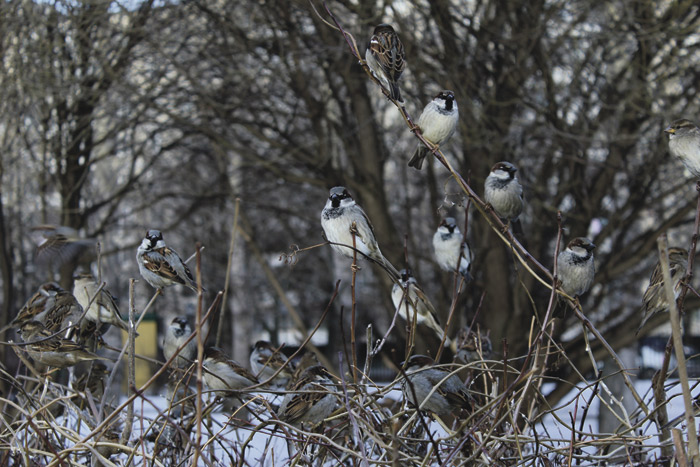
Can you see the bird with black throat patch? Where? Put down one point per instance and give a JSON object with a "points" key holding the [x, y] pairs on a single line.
{"points": [[437, 124], [452, 252], [160, 265], [340, 218], [576, 267]]}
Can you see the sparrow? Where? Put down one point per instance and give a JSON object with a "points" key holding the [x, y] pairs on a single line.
{"points": [[655, 296], [410, 301], [576, 267], [437, 123], [337, 218], [160, 265], [103, 308], [224, 374], [265, 360], [38, 304], [503, 191], [175, 336], [310, 400], [472, 346], [64, 312], [386, 58], [304, 360], [422, 375], [52, 350], [684, 143], [452, 253], [93, 380], [60, 244]]}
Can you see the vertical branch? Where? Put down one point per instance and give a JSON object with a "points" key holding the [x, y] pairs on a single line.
{"points": [[234, 228], [200, 358], [353, 349], [678, 345], [124, 438], [691, 253]]}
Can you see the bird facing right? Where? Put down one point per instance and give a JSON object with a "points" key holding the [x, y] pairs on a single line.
{"points": [[503, 191], [452, 253], [437, 123], [684, 143], [386, 59], [576, 266], [224, 374], [103, 308], [160, 265], [655, 296], [450, 395]]}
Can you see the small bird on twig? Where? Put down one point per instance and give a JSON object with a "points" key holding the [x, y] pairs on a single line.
{"points": [[654, 300], [437, 123], [310, 400], [175, 337], [265, 360], [576, 266], [452, 253], [223, 374], [340, 217], [52, 350], [410, 300], [104, 309], [422, 376], [504, 193], [160, 265], [684, 143], [386, 58], [38, 305]]}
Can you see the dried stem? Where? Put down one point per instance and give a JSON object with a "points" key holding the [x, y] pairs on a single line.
{"points": [[693, 452]]}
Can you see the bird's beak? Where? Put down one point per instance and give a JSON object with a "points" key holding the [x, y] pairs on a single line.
{"points": [[591, 247], [669, 130]]}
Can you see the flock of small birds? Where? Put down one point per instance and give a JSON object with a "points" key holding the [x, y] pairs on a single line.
{"points": [[62, 328]]}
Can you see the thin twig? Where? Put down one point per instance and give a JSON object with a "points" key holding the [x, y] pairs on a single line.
{"points": [[693, 452]]}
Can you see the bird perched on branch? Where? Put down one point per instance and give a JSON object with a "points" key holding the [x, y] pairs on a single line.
{"points": [[160, 265], [310, 400], [223, 374], [175, 337], [452, 252], [386, 58], [654, 299], [104, 309], [576, 266], [437, 123], [342, 216], [51, 350], [38, 305], [410, 301], [422, 376], [265, 360], [472, 346], [504, 193], [64, 313], [684, 143]]}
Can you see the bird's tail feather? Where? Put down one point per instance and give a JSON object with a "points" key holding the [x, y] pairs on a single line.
{"points": [[417, 160]]}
